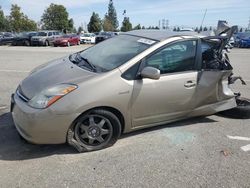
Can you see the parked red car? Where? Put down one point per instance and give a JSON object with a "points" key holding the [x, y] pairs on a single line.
{"points": [[67, 40]]}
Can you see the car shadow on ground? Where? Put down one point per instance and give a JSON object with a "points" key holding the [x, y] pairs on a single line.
{"points": [[13, 147]]}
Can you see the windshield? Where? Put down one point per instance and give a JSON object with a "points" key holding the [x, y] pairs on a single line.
{"points": [[246, 35], [41, 34], [86, 35], [23, 34], [242, 35], [116, 51], [105, 33]]}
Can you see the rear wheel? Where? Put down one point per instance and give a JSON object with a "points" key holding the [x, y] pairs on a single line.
{"points": [[94, 130], [242, 111], [27, 43]]}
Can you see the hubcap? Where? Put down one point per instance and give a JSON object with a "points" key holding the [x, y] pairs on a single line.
{"points": [[93, 130]]}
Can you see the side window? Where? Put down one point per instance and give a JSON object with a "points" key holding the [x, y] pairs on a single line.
{"points": [[176, 57], [50, 34]]}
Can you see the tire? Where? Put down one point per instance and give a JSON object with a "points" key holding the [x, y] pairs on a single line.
{"points": [[95, 130], [242, 111], [46, 43], [27, 43]]}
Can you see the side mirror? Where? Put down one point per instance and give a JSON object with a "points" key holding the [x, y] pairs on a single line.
{"points": [[151, 73]]}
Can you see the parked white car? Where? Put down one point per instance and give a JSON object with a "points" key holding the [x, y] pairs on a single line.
{"points": [[88, 38]]}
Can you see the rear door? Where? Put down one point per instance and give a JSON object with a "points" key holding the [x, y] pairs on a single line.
{"points": [[156, 101]]}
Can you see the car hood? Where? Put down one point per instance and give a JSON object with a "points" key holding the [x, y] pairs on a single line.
{"points": [[53, 73], [60, 39], [39, 37], [246, 39], [102, 36], [85, 37], [21, 38]]}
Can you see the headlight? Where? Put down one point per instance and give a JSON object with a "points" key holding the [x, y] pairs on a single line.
{"points": [[49, 96]]}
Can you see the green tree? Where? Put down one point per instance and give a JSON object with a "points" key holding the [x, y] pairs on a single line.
{"points": [[137, 27], [126, 25], [55, 17], [205, 29], [241, 29], [210, 28], [2, 20], [112, 15], [18, 21], [80, 29], [200, 30], [156, 27], [143, 27], [16, 18], [107, 24], [178, 29], [196, 29], [174, 29], [71, 25], [7, 25], [95, 24]]}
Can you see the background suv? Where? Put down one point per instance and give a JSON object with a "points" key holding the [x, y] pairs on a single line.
{"points": [[44, 38]]}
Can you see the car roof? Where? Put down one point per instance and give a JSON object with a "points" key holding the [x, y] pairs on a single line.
{"points": [[160, 35]]}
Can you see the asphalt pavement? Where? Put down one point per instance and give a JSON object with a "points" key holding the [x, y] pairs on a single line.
{"points": [[199, 152]]}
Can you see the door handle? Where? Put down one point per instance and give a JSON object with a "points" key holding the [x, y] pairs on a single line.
{"points": [[190, 84]]}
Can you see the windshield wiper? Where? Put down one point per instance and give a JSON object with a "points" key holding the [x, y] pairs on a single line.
{"points": [[93, 67], [78, 60]]}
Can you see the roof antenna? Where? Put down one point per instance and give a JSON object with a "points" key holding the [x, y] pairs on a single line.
{"points": [[203, 18]]}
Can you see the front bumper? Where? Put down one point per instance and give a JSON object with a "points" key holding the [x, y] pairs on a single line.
{"points": [[87, 41], [40, 126], [37, 43], [60, 43]]}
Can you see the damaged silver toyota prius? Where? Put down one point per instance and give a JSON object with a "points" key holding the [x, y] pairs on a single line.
{"points": [[136, 80]]}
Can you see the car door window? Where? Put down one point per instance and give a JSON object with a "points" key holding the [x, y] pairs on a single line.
{"points": [[50, 33], [176, 57]]}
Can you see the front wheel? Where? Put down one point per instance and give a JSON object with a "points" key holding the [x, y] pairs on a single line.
{"points": [[95, 130], [46, 43]]}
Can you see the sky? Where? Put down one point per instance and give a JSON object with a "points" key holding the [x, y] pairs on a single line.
{"points": [[183, 13]]}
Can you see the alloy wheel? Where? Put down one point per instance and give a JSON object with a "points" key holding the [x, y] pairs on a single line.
{"points": [[93, 130]]}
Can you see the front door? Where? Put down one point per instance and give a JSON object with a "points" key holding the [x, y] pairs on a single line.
{"points": [[169, 98]]}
